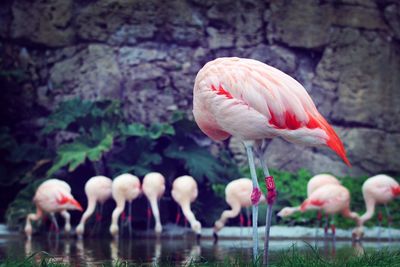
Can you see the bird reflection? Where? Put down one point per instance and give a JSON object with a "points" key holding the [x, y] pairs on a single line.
{"points": [[193, 255], [157, 252], [114, 251], [28, 247], [358, 249]]}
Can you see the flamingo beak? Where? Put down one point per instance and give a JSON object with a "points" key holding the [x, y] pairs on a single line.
{"points": [[76, 204], [396, 191]]}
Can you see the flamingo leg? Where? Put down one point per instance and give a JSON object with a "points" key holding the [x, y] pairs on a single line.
{"points": [[255, 197], [130, 218], [271, 198], [67, 217], [379, 225], [248, 219], [54, 222], [389, 221], [318, 223], [333, 228], [97, 219], [148, 216], [326, 227]]}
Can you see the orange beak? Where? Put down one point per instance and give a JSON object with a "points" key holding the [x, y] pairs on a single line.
{"points": [[76, 204]]}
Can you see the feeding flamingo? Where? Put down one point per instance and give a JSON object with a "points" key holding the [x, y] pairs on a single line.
{"points": [[315, 182], [125, 187], [153, 188], [379, 189], [253, 101], [237, 195], [184, 192], [97, 189], [52, 196], [332, 199]]}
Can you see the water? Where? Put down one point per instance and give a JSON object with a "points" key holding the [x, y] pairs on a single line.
{"points": [[95, 251]]}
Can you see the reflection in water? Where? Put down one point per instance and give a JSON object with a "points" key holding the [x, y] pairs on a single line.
{"points": [[158, 251], [358, 249]]}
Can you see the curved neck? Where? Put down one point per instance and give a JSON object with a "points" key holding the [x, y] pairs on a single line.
{"points": [[352, 215], [370, 206], [154, 209], [227, 214], [188, 212]]}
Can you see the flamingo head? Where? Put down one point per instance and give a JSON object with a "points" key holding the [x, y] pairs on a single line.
{"points": [[196, 227], [287, 211], [69, 203], [358, 233], [396, 191]]}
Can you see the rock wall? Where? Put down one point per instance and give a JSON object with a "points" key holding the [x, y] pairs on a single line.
{"points": [[147, 53]]}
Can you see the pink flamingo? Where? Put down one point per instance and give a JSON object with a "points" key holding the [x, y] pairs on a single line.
{"points": [[52, 196], [379, 189], [332, 199], [237, 195], [184, 192], [315, 182], [253, 101], [97, 189], [153, 188], [125, 187]]}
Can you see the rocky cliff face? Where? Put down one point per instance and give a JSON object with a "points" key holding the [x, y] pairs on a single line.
{"points": [[146, 53]]}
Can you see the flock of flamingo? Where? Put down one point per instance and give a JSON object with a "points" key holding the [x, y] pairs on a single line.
{"points": [[254, 102]]}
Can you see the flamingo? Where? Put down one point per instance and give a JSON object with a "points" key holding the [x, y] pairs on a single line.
{"points": [[253, 101], [97, 189], [52, 196], [184, 192], [237, 195], [315, 182], [153, 188], [332, 199], [125, 187], [378, 189]]}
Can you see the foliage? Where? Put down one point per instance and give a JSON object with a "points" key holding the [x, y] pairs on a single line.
{"points": [[38, 259]]}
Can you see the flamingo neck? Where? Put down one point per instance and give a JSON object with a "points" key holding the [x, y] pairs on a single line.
{"points": [[370, 206]]}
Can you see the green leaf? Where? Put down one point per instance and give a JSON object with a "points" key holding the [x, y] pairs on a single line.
{"points": [[74, 154], [156, 130], [198, 161], [67, 113], [134, 129]]}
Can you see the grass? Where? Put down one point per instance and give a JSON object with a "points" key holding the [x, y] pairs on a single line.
{"points": [[292, 257]]}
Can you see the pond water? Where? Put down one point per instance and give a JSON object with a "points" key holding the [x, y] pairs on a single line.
{"points": [[96, 251]]}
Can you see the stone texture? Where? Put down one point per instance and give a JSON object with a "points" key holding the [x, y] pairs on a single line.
{"points": [[300, 23], [90, 74], [104, 19], [147, 53], [360, 81], [392, 16], [43, 22], [359, 17]]}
